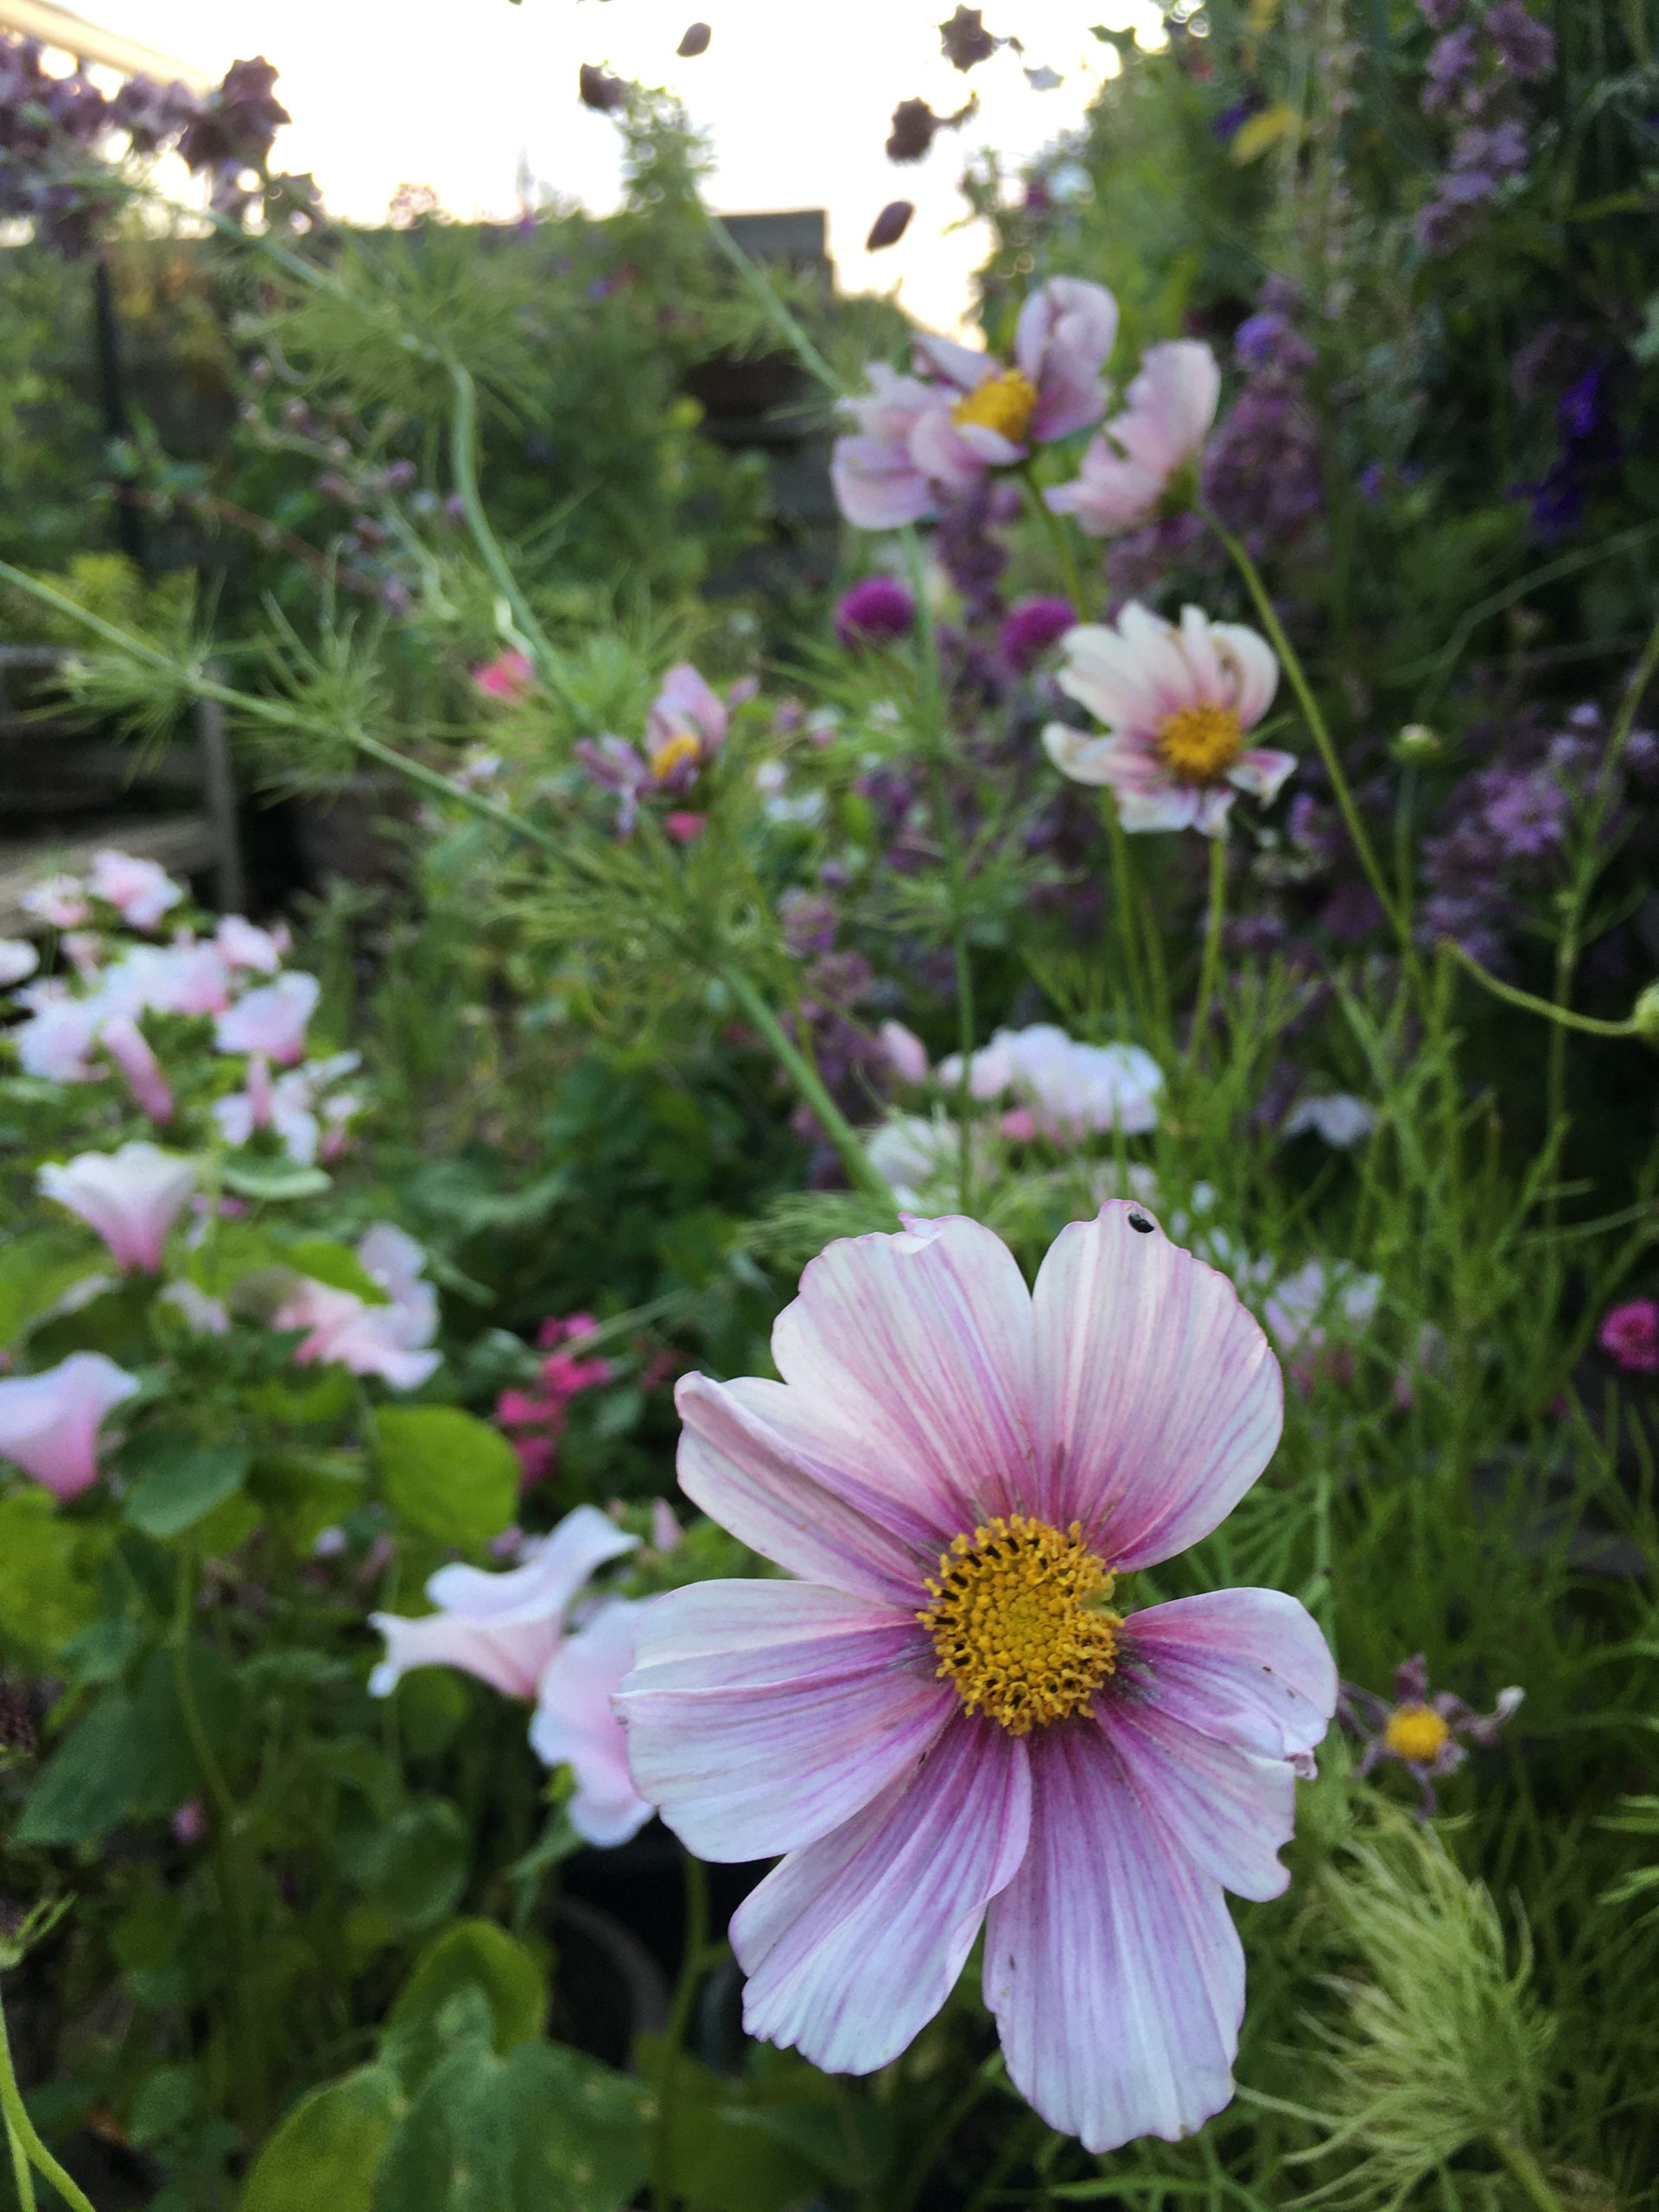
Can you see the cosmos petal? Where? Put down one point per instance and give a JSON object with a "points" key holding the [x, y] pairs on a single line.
{"points": [[1249, 1666]]}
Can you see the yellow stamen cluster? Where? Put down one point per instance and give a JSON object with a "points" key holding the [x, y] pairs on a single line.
{"points": [[1200, 743], [1416, 1733], [666, 757], [1020, 1623], [1003, 403]]}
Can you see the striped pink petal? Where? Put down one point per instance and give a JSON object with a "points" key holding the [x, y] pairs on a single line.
{"points": [[1161, 1397], [1249, 1666], [1111, 1963], [852, 1945], [732, 1733], [1230, 1811]]}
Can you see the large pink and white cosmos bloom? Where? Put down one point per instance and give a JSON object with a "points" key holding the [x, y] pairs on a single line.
{"points": [[49, 1423], [511, 1629], [923, 439], [939, 1718], [132, 1196], [1177, 703], [1128, 471]]}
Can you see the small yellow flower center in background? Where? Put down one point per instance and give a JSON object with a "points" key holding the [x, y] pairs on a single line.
{"points": [[1201, 743], [666, 757], [1416, 1733], [1020, 1621], [1003, 403]]}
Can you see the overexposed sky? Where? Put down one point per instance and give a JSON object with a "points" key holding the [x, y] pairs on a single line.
{"points": [[796, 95]]}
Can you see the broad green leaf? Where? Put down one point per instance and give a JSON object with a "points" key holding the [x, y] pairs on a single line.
{"points": [[275, 1180], [412, 1866], [35, 1271], [48, 1592], [178, 1482], [451, 1477], [477, 1953], [323, 1259], [131, 1756], [321, 2155]]}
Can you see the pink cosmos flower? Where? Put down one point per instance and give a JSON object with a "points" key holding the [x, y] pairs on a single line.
{"points": [[575, 1726], [502, 1627], [140, 891], [924, 439], [49, 1422], [272, 1019], [509, 677], [131, 1198], [1177, 704], [1126, 473], [243, 943], [938, 1718], [392, 1340], [18, 961], [1427, 1736], [59, 902], [1629, 1336], [128, 1046]]}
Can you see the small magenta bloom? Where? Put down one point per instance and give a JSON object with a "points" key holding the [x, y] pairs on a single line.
{"points": [[1032, 627], [1629, 1336], [140, 891], [1427, 1736], [1128, 471], [940, 1718], [876, 608], [49, 1422], [508, 676], [1177, 704], [511, 1629], [131, 1198], [272, 1019]]}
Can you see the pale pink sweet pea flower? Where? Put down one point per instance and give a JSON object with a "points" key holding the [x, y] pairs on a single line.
{"points": [[938, 1718], [59, 902], [1070, 1090], [206, 1315], [294, 1105], [132, 1196], [906, 1055], [56, 1043], [18, 961], [140, 891], [188, 977], [392, 1340], [1127, 472], [128, 1046], [576, 1727], [272, 1019], [49, 1422], [243, 943], [502, 1627], [1177, 703]]}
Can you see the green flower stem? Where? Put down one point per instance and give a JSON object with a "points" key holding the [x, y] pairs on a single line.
{"points": [[861, 1172], [694, 1959], [1209, 968], [945, 829], [1547, 1009], [1314, 716], [1059, 539], [1526, 2171], [26, 2148], [1128, 927]]}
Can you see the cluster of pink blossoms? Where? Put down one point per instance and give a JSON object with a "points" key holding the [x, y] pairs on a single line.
{"points": [[536, 1419]]}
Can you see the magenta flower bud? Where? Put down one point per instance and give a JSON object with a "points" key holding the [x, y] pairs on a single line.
{"points": [[877, 608], [1032, 627], [1629, 1336]]}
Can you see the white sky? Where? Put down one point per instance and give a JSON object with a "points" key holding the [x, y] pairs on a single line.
{"points": [[797, 95]]}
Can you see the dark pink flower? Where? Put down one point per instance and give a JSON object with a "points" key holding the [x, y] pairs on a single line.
{"points": [[876, 608], [1629, 1336]]}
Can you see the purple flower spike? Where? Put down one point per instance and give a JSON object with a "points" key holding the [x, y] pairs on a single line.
{"points": [[877, 608]]}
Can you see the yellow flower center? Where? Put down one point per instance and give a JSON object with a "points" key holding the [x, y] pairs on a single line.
{"points": [[666, 757], [1201, 743], [1003, 403], [1020, 1623], [1416, 1733]]}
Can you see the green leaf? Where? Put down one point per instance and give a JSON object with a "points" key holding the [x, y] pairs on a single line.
{"points": [[275, 1180], [35, 1270], [542, 2130], [180, 1482], [446, 1474], [47, 1591], [477, 1953], [323, 1259], [321, 2155], [412, 1866]]}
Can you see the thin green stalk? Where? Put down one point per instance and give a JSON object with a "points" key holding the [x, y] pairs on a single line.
{"points": [[693, 1961], [946, 830], [1128, 928], [21, 2135], [1526, 2171], [23, 2178], [1209, 968], [1547, 1009], [861, 1172], [754, 280], [1059, 539], [1314, 716]]}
